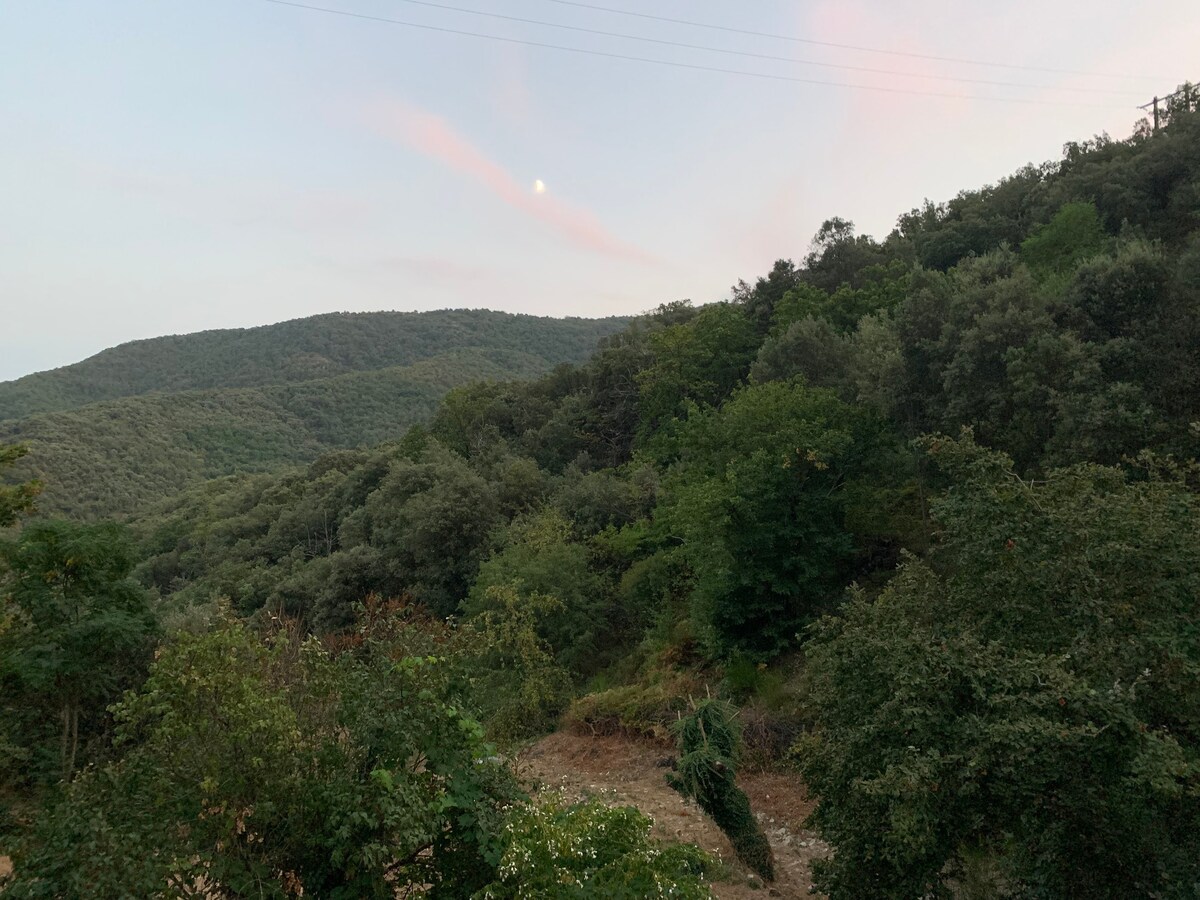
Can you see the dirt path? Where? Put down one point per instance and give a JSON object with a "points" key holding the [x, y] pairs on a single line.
{"points": [[628, 772]]}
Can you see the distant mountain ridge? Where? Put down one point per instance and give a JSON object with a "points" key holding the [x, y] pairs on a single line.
{"points": [[143, 421], [296, 350]]}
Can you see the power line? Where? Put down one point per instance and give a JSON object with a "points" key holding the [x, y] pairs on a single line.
{"points": [[677, 65], [799, 40], [1188, 91], [752, 55]]}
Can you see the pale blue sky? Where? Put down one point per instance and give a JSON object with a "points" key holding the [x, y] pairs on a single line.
{"points": [[171, 166]]}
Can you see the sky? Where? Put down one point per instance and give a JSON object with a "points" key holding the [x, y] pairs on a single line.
{"points": [[170, 166]]}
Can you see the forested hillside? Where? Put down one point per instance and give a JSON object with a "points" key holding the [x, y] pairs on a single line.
{"points": [[115, 457], [299, 350], [118, 457], [915, 521]]}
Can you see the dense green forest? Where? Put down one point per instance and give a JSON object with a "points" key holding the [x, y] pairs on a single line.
{"points": [[117, 457], [299, 350], [316, 384], [916, 521]]}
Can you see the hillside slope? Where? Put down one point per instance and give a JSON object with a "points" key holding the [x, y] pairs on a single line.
{"points": [[116, 457], [298, 350]]}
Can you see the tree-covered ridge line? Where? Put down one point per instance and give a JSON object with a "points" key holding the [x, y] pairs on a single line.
{"points": [[115, 457], [297, 350]]}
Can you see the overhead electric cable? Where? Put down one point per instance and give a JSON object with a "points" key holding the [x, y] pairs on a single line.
{"points": [[767, 56], [800, 40], [677, 65]]}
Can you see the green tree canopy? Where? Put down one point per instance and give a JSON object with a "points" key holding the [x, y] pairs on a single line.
{"points": [[757, 500], [700, 361], [271, 768], [431, 520], [18, 499], [80, 633], [539, 558], [1026, 700]]}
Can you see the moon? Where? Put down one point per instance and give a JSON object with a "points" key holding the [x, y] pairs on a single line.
{"points": [[539, 187]]}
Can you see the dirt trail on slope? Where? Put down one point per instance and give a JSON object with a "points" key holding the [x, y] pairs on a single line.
{"points": [[626, 772]]}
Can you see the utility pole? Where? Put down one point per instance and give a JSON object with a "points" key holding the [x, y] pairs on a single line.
{"points": [[1154, 103], [1157, 100]]}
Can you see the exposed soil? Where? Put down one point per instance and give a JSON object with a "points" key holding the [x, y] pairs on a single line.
{"points": [[623, 771]]}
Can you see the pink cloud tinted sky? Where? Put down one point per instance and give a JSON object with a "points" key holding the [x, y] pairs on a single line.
{"points": [[172, 167], [434, 137]]}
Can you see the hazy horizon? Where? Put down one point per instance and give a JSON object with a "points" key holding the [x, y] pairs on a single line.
{"points": [[173, 168]]}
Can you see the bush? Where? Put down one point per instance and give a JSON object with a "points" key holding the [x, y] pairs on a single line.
{"points": [[746, 679], [539, 558], [270, 768], [76, 631], [645, 710], [588, 850], [756, 505], [518, 684], [709, 747]]}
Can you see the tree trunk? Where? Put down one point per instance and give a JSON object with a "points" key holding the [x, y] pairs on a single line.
{"points": [[65, 715], [74, 740], [70, 739]]}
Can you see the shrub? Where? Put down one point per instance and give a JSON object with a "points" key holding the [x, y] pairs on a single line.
{"points": [[539, 558], [518, 684], [641, 710], [557, 851], [755, 502], [709, 747], [268, 768]]}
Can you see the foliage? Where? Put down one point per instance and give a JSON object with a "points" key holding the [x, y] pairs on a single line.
{"points": [[756, 500], [709, 747], [809, 347], [985, 346], [747, 680], [116, 456], [18, 499], [274, 768], [539, 559], [558, 850], [78, 632], [300, 350], [646, 709], [429, 520], [880, 289], [838, 257], [517, 681], [1074, 234], [609, 498], [700, 361], [1028, 696]]}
